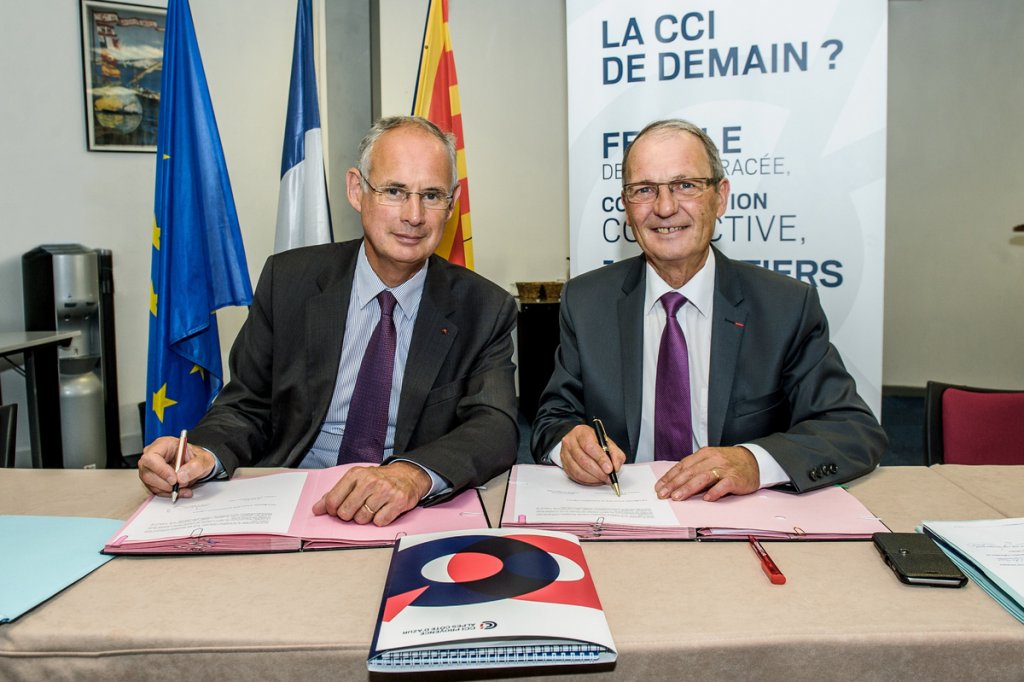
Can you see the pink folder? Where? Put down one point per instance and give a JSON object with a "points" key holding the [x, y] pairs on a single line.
{"points": [[825, 514], [141, 534]]}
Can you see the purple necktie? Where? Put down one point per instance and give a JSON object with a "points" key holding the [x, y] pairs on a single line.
{"points": [[672, 430], [367, 423]]}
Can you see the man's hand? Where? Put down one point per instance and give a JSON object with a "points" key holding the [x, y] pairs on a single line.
{"points": [[156, 466], [584, 461], [375, 494], [720, 471]]}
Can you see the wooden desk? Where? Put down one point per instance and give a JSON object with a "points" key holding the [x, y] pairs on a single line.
{"points": [[42, 389], [676, 609]]}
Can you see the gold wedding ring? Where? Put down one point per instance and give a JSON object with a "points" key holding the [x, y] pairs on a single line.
{"points": [[714, 472], [367, 508]]}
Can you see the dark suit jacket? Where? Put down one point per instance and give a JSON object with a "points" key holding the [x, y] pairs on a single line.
{"points": [[775, 379], [457, 411]]}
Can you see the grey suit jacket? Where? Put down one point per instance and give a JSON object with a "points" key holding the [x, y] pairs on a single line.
{"points": [[457, 410], [775, 379]]}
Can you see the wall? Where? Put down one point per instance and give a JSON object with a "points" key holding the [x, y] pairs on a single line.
{"points": [[954, 272], [54, 191]]}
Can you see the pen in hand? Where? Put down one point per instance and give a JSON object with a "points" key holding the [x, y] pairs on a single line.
{"points": [[602, 440], [182, 440]]}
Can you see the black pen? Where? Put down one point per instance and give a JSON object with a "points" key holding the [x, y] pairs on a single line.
{"points": [[602, 440], [177, 464]]}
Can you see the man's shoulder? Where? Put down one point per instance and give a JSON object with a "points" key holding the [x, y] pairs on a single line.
{"points": [[318, 253], [754, 279], [607, 280], [319, 265], [462, 282]]}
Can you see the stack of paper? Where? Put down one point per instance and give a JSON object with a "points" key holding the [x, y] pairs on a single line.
{"points": [[544, 497], [991, 553]]}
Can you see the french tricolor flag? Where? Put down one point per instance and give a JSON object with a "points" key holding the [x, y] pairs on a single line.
{"points": [[303, 214]]}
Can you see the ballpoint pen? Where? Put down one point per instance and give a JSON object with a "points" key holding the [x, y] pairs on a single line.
{"points": [[602, 440], [767, 565], [177, 463]]}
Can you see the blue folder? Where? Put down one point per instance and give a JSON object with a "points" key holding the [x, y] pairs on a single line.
{"points": [[42, 555]]}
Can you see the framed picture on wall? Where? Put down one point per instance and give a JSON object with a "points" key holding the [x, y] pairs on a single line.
{"points": [[122, 59]]}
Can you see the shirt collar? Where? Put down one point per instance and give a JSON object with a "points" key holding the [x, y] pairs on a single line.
{"points": [[699, 291], [367, 285]]}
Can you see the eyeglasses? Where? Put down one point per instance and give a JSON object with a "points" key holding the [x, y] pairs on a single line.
{"points": [[684, 188], [396, 196]]}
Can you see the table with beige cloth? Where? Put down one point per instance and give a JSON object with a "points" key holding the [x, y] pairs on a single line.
{"points": [[677, 610], [1001, 487]]}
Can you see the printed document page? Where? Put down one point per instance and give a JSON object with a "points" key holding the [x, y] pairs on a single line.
{"points": [[997, 547], [545, 494], [262, 504]]}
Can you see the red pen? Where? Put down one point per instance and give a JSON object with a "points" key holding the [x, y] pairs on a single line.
{"points": [[767, 565]]}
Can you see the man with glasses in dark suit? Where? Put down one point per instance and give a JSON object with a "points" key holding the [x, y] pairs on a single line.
{"points": [[373, 350]]}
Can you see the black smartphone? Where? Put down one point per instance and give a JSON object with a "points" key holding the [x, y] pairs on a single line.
{"points": [[917, 560]]}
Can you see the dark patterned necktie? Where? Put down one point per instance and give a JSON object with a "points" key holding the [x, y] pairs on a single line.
{"points": [[672, 427], [366, 426]]}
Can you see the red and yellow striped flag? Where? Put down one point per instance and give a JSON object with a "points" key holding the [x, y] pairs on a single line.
{"points": [[437, 99]]}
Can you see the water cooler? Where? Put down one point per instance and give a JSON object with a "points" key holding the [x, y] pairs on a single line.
{"points": [[68, 287]]}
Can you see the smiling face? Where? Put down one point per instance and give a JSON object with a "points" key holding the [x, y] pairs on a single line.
{"points": [[399, 239], [675, 235]]}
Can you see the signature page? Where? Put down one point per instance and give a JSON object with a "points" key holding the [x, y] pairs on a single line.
{"points": [[262, 505], [540, 495]]}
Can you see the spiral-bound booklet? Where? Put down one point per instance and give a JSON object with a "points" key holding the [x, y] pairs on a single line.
{"points": [[489, 599]]}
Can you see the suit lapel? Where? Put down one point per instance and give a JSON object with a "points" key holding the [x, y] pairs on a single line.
{"points": [[727, 330], [631, 334], [432, 339], [326, 314]]}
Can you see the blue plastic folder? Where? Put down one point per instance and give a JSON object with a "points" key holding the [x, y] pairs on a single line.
{"points": [[42, 555]]}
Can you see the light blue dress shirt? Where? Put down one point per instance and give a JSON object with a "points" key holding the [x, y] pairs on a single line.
{"points": [[362, 319]]}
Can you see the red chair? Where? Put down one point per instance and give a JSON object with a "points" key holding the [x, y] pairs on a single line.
{"points": [[967, 425]]}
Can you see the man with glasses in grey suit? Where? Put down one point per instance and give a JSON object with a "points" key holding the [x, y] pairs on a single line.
{"points": [[720, 366]]}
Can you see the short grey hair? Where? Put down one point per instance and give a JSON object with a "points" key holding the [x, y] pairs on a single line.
{"points": [[392, 122], [679, 125]]}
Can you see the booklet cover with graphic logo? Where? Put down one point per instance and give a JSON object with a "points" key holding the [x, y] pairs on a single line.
{"points": [[489, 599]]}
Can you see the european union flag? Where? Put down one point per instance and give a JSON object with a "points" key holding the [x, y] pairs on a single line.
{"points": [[198, 258]]}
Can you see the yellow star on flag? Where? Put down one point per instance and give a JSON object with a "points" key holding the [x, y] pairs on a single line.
{"points": [[152, 299], [202, 372], [156, 235], [161, 402]]}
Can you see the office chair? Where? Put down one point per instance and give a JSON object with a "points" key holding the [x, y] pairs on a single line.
{"points": [[968, 425], [8, 433]]}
